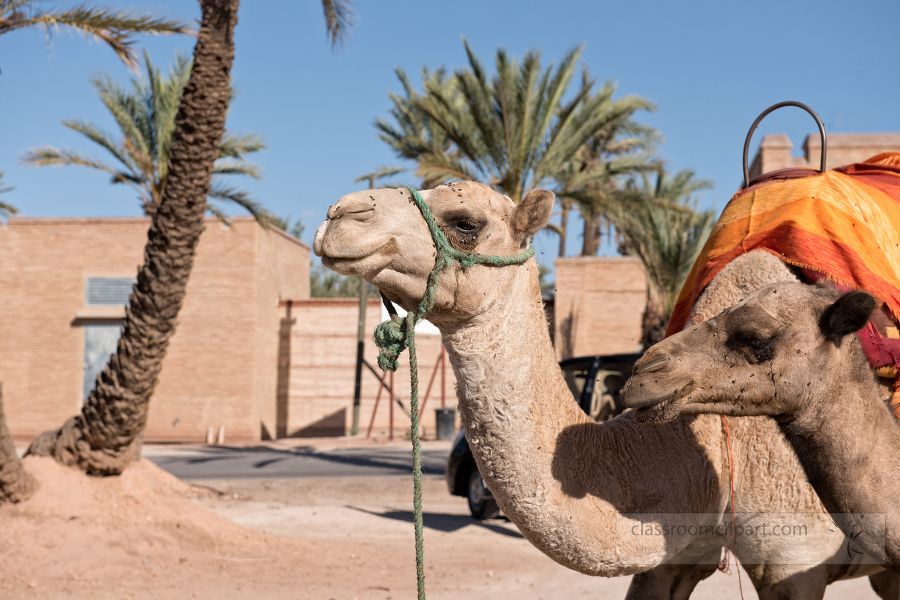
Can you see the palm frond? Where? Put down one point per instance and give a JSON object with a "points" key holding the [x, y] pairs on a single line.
{"points": [[228, 166], [339, 19], [225, 193], [145, 114], [442, 167], [236, 146], [379, 173], [113, 27], [6, 209], [99, 137], [48, 156], [4, 189], [663, 227], [284, 223], [128, 109], [161, 96], [219, 214]]}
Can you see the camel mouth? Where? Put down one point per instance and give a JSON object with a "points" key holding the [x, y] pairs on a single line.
{"points": [[662, 410], [361, 262]]}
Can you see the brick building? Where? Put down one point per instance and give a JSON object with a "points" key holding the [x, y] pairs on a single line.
{"points": [[316, 371], [63, 287], [843, 149], [599, 305]]}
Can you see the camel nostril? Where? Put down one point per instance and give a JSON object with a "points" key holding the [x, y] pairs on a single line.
{"points": [[359, 210], [652, 364]]}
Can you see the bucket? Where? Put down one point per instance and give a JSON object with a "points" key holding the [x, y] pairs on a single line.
{"points": [[445, 418]]}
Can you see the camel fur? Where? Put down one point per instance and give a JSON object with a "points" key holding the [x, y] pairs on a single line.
{"points": [[788, 351], [567, 482]]}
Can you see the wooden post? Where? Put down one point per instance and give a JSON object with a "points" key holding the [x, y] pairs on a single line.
{"points": [[360, 347], [375, 408], [391, 413], [443, 377]]}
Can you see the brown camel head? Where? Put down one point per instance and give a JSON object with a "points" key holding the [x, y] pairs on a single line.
{"points": [[782, 347], [381, 235]]}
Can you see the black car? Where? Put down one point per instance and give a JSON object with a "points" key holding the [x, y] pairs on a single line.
{"points": [[596, 383]]}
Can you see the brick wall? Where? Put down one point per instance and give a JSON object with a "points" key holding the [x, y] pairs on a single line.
{"points": [[848, 148], [599, 305], [279, 275], [843, 149], [316, 389], [221, 364]]}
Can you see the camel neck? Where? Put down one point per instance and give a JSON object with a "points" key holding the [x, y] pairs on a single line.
{"points": [[510, 385], [513, 404], [562, 479], [847, 442], [508, 375]]}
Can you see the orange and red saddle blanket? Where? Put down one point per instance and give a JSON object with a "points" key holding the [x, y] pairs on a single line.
{"points": [[842, 225]]}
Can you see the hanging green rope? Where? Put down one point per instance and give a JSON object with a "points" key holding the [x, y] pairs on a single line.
{"points": [[397, 334]]}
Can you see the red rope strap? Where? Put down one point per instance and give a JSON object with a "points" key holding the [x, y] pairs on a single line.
{"points": [[731, 475]]}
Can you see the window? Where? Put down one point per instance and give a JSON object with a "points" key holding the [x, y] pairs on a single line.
{"points": [[100, 341], [102, 336], [107, 291]]}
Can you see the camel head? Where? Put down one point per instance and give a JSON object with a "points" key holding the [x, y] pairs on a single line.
{"points": [[381, 235], [781, 348]]}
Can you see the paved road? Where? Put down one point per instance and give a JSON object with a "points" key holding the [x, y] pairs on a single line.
{"points": [[216, 462]]}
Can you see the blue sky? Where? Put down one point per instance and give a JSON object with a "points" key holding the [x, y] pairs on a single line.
{"points": [[711, 67]]}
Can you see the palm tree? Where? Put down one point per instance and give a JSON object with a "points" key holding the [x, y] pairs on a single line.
{"points": [[618, 151], [666, 232], [113, 28], [621, 149], [110, 26], [512, 130], [6, 209], [515, 131], [106, 435], [145, 115], [102, 439], [16, 484], [414, 133]]}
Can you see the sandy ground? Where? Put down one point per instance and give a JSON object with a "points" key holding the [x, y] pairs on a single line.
{"points": [[146, 535]]}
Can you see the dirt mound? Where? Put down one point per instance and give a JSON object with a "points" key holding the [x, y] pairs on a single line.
{"points": [[139, 535]]}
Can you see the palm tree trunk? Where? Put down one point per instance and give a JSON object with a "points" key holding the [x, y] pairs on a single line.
{"points": [[591, 240], [105, 437], [16, 484], [564, 208], [655, 320]]}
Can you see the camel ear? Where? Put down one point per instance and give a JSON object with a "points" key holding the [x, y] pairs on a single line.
{"points": [[848, 314], [532, 213]]}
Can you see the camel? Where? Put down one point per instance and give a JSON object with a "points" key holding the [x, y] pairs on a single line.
{"points": [[787, 351], [576, 488]]}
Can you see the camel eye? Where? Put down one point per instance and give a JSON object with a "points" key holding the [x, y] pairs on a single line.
{"points": [[462, 232], [757, 348], [753, 332], [763, 349]]}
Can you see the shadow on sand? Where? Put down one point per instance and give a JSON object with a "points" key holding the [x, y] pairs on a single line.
{"points": [[441, 521]]}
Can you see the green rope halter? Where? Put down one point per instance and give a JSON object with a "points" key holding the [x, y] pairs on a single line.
{"points": [[396, 334]]}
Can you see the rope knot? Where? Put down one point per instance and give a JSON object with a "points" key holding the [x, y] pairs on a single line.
{"points": [[392, 339], [467, 260]]}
